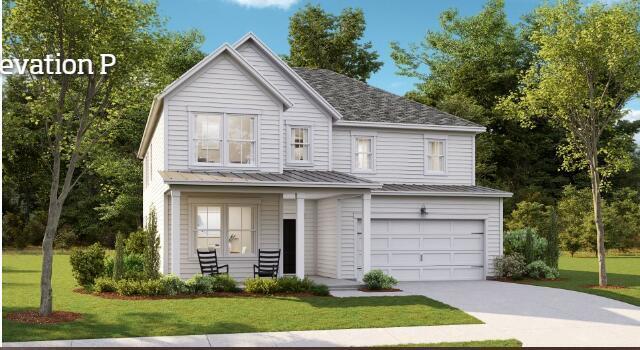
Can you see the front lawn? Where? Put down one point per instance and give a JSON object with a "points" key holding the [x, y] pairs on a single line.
{"points": [[578, 273], [498, 343], [105, 318]]}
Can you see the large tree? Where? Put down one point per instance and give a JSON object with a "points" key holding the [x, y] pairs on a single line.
{"points": [[587, 67], [465, 68], [319, 39], [74, 116]]}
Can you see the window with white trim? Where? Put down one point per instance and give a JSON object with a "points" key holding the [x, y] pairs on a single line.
{"points": [[435, 159], [224, 139], [229, 229], [299, 144], [364, 153]]}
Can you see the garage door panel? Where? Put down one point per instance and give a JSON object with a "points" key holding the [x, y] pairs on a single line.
{"points": [[428, 250], [468, 243], [443, 243]]}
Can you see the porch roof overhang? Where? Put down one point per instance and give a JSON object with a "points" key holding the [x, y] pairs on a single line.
{"points": [[439, 190], [288, 178]]}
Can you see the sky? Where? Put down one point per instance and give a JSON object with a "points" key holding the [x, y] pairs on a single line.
{"points": [[404, 21]]}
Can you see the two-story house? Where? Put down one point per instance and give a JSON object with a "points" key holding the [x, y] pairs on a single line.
{"points": [[244, 152]]}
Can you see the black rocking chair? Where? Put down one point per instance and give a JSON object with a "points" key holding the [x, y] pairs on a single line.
{"points": [[268, 263], [208, 260]]}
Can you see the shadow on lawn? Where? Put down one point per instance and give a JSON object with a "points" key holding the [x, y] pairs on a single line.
{"points": [[373, 301]]}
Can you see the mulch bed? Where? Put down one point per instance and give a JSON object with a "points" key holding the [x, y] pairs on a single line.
{"points": [[114, 295], [33, 317], [379, 290], [607, 287]]}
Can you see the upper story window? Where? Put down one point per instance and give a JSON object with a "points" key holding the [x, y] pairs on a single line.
{"points": [[435, 157], [299, 144], [364, 153], [224, 139]]}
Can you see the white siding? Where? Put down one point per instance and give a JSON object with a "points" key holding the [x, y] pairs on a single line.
{"points": [[310, 230], [239, 267], [327, 239], [222, 86], [350, 211], [304, 111], [153, 193], [385, 207], [400, 156]]}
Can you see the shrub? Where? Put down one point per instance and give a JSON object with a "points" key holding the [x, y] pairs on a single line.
{"points": [[118, 260], [87, 264], [144, 287], [224, 283], [319, 289], [105, 284], [133, 266], [525, 242], [376, 280], [108, 266], [152, 247], [173, 285], [510, 266], [200, 284], [136, 242], [539, 270], [261, 285], [293, 284]]}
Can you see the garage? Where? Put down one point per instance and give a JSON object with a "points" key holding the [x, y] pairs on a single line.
{"points": [[427, 249]]}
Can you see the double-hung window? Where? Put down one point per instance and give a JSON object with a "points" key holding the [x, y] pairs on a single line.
{"points": [[363, 157], [224, 139], [435, 158], [299, 144], [229, 229]]}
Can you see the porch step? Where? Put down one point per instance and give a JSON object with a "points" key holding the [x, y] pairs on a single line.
{"points": [[345, 287]]}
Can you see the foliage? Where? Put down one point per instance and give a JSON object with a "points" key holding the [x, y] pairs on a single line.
{"points": [[539, 270], [152, 247], [87, 264], [140, 287], [118, 260], [65, 238], [525, 242], [105, 284], [199, 284], [136, 242], [510, 266], [173, 285], [552, 253], [376, 280], [318, 39], [12, 234], [261, 285]]}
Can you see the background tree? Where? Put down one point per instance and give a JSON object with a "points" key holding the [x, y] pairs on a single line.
{"points": [[69, 115], [586, 69], [318, 39], [465, 69]]}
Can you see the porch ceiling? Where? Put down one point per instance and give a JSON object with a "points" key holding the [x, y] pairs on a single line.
{"points": [[288, 178]]}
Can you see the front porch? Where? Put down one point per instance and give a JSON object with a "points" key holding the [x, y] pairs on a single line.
{"points": [[322, 233]]}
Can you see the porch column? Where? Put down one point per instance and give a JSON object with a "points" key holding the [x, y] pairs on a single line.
{"points": [[300, 235], [366, 233], [175, 232]]}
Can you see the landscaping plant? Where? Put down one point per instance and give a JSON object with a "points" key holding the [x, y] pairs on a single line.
{"points": [[511, 266], [152, 248], [377, 280], [118, 260], [539, 270], [136, 242], [525, 242], [87, 264], [259, 285], [105, 284]]}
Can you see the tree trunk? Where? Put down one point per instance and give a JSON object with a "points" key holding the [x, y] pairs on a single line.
{"points": [[597, 214], [46, 293]]}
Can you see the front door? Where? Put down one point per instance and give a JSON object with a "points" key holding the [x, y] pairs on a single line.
{"points": [[289, 246]]}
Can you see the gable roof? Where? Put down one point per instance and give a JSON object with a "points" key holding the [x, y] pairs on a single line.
{"points": [[158, 100], [288, 71], [359, 102]]}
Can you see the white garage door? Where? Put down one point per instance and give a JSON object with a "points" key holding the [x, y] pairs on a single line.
{"points": [[428, 250]]}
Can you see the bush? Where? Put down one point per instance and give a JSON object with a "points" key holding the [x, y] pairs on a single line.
{"points": [[105, 284], [144, 287], [136, 242], [510, 266], [319, 289], [87, 264], [200, 284], [525, 242], [539, 270], [173, 285], [133, 266], [261, 285], [376, 280], [118, 260], [224, 283], [152, 248]]}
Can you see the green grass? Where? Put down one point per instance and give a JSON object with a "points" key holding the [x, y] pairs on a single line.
{"points": [[499, 343], [104, 318], [578, 273]]}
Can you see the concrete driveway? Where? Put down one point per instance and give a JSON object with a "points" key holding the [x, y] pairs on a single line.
{"points": [[538, 316]]}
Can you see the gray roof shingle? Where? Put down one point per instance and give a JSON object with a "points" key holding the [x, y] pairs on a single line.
{"points": [[357, 101], [449, 189]]}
